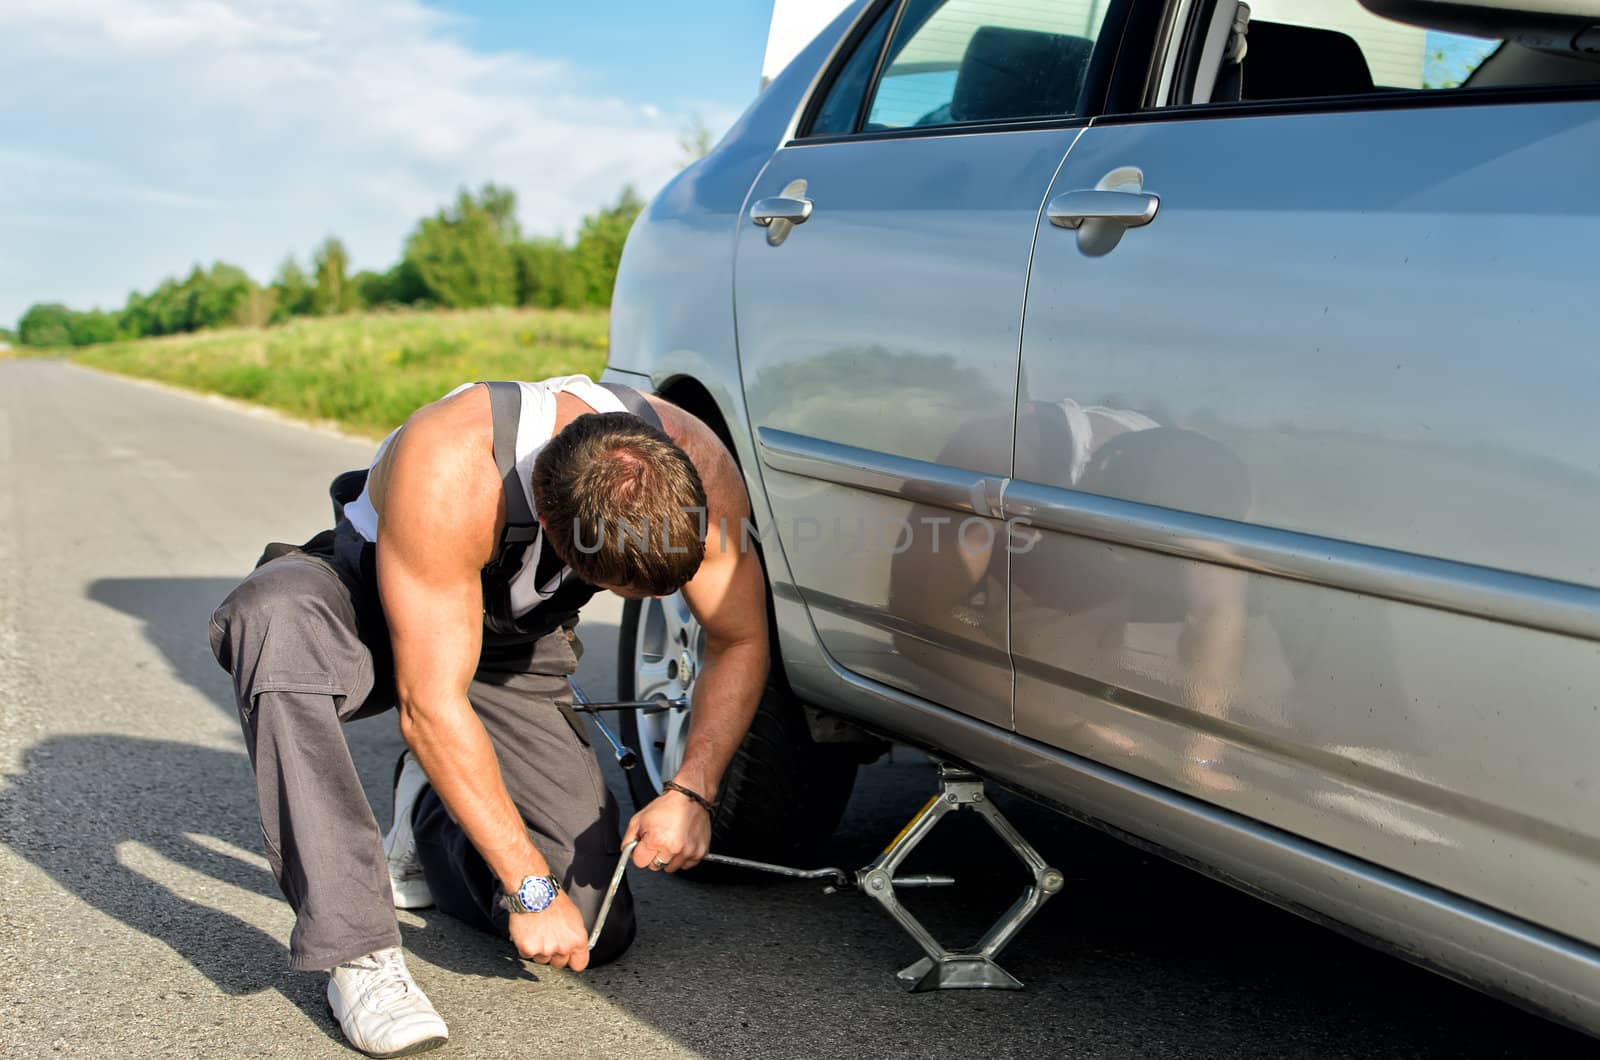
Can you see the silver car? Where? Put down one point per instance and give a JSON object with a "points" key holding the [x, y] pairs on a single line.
{"points": [[1183, 412]]}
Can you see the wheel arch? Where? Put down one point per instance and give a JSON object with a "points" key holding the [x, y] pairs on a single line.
{"points": [[689, 394]]}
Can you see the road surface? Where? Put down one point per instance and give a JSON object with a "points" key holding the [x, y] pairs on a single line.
{"points": [[137, 916]]}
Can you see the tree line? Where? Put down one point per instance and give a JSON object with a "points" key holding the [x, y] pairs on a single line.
{"points": [[470, 253]]}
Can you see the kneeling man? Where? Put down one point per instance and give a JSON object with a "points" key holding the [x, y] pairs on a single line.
{"points": [[450, 588]]}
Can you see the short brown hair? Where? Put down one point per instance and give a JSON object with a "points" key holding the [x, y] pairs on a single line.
{"points": [[621, 503]]}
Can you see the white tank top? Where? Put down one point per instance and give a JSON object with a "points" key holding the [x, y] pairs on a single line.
{"points": [[534, 430]]}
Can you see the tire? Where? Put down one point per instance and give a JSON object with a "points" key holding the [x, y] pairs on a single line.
{"points": [[783, 793]]}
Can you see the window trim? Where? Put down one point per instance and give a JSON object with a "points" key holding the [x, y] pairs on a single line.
{"points": [[1104, 61], [1379, 99], [926, 132], [870, 96], [1169, 44], [1191, 47], [1400, 99], [842, 54]]}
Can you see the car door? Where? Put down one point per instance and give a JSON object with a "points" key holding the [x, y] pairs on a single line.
{"points": [[1306, 432], [879, 285]]}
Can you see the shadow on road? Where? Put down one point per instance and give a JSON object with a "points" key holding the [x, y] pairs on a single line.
{"points": [[175, 613], [163, 837], [144, 831]]}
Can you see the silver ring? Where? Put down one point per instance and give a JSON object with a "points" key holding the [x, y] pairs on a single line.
{"points": [[660, 864]]}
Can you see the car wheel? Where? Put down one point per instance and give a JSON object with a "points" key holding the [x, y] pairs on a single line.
{"points": [[783, 793]]}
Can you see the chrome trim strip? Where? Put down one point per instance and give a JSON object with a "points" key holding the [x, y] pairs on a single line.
{"points": [[1485, 592], [1448, 585], [893, 476]]}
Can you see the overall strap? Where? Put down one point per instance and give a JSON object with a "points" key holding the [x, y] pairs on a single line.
{"points": [[522, 528], [635, 403], [505, 406], [501, 626]]}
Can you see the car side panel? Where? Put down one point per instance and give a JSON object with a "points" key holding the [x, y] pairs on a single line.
{"points": [[889, 324], [1317, 456]]}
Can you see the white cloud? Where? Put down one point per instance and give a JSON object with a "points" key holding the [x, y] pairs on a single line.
{"points": [[157, 133]]}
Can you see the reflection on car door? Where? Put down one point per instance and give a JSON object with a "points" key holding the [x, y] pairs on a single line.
{"points": [[879, 326], [1314, 460]]}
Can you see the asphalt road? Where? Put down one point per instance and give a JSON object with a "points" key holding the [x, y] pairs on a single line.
{"points": [[137, 916]]}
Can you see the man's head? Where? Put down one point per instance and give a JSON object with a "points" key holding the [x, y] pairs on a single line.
{"points": [[621, 503]]}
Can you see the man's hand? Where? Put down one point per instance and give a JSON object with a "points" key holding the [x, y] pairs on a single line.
{"points": [[673, 833], [553, 936]]}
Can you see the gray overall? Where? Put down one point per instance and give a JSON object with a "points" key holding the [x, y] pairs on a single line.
{"points": [[305, 640]]}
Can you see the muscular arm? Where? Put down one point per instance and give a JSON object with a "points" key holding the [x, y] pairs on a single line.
{"points": [[728, 598], [436, 533]]}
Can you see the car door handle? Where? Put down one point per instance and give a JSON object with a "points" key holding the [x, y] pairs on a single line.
{"points": [[780, 208], [1131, 209]]}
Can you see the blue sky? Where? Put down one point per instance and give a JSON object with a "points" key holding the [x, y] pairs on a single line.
{"points": [[138, 137], [704, 51]]}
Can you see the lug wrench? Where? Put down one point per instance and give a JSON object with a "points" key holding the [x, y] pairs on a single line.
{"points": [[840, 880], [626, 757]]}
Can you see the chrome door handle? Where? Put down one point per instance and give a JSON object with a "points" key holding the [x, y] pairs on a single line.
{"points": [[780, 208], [1131, 209]]}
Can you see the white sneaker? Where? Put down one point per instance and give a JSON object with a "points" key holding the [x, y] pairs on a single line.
{"points": [[400, 845], [381, 1009]]}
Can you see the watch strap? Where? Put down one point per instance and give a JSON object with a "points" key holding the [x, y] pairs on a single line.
{"points": [[512, 901]]}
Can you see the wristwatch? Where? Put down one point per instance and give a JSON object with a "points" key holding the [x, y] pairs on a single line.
{"points": [[533, 895]]}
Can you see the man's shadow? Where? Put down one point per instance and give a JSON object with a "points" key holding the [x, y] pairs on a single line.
{"points": [[106, 815], [175, 613], [121, 821]]}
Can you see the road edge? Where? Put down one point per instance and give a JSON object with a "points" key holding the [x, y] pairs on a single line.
{"points": [[327, 428]]}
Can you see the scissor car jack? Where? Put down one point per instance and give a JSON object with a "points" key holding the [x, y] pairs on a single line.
{"points": [[942, 968]]}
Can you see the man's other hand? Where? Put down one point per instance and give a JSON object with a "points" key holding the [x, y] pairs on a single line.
{"points": [[673, 833], [553, 936]]}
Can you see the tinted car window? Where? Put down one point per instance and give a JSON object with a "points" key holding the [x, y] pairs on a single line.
{"points": [[1293, 50], [842, 105], [954, 61]]}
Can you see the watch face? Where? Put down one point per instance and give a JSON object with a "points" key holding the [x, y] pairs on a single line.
{"points": [[536, 893]]}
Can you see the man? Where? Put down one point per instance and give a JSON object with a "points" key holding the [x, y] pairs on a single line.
{"points": [[450, 588]]}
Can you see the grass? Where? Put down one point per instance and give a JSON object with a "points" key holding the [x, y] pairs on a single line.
{"points": [[365, 372]]}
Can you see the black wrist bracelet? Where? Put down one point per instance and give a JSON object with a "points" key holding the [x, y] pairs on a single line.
{"points": [[693, 796]]}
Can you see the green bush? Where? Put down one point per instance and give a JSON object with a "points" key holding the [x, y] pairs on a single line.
{"points": [[599, 250], [45, 324], [463, 254], [546, 276]]}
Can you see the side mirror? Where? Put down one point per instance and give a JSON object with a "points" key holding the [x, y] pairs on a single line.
{"points": [[1551, 25]]}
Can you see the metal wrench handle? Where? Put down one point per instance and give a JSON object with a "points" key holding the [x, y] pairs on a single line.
{"points": [[646, 706], [839, 876], [611, 893], [840, 879], [627, 757]]}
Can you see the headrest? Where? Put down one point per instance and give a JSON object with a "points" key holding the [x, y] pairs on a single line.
{"points": [[1294, 62], [1019, 73]]}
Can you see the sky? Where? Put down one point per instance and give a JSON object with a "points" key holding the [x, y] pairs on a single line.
{"points": [[140, 137]]}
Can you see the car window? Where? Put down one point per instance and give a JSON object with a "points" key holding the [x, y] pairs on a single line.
{"points": [[841, 107], [955, 61], [1295, 49]]}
